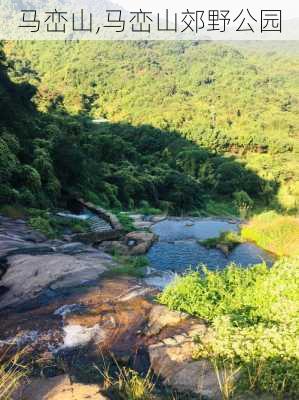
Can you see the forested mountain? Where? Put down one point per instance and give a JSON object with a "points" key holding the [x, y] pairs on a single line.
{"points": [[185, 121]]}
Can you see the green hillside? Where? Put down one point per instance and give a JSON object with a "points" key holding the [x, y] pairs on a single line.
{"points": [[49, 153], [241, 101]]}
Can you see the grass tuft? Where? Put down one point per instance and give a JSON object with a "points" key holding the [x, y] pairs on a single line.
{"points": [[12, 373]]}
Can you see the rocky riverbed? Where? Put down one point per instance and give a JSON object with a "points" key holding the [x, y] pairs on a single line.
{"points": [[58, 301]]}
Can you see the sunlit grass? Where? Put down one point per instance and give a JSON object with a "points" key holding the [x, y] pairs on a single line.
{"points": [[276, 233], [127, 383], [12, 373], [253, 323]]}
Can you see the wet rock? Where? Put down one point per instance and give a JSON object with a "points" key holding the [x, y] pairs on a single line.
{"points": [[21, 340], [98, 237], [58, 388], [159, 279], [3, 290], [134, 244], [107, 216], [189, 223], [137, 291], [139, 222], [117, 316], [161, 317], [224, 248], [15, 235], [69, 309]]}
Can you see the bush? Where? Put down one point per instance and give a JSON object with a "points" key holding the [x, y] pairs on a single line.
{"points": [[243, 203], [130, 266], [243, 199], [126, 221], [30, 178], [55, 226], [253, 316], [228, 239], [8, 194], [26, 198], [13, 211], [42, 225], [8, 162]]}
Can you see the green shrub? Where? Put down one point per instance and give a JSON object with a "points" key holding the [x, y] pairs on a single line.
{"points": [[130, 266], [254, 322], [243, 203], [54, 226], [42, 225], [126, 221], [228, 239], [13, 211], [93, 198], [27, 198], [30, 178], [8, 194]]}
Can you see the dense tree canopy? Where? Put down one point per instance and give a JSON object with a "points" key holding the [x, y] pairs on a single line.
{"points": [[184, 122]]}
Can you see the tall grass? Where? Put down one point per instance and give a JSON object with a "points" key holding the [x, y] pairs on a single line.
{"points": [[276, 233], [12, 373], [127, 383]]}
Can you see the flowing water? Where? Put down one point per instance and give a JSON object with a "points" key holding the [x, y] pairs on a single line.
{"points": [[178, 246]]}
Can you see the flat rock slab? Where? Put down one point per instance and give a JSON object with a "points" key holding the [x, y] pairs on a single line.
{"points": [[58, 388], [28, 275], [114, 315], [30, 263], [15, 234], [117, 316]]}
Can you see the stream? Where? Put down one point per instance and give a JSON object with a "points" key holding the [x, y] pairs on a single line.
{"points": [[178, 246]]}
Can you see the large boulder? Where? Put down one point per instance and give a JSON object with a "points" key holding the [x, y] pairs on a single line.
{"points": [[27, 275], [171, 358], [139, 242]]}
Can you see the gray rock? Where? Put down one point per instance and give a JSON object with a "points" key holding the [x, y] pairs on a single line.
{"points": [[172, 360], [28, 275], [161, 317]]}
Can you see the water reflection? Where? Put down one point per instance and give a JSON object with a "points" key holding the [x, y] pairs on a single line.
{"points": [[178, 247]]}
